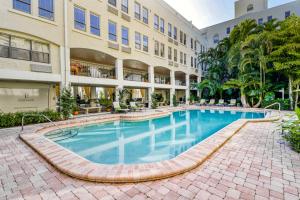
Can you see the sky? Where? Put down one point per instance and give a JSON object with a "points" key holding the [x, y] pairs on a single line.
{"points": [[204, 13]]}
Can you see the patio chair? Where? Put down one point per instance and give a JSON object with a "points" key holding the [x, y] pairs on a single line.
{"points": [[118, 108], [202, 102], [212, 102], [134, 107], [232, 102], [221, 102]]}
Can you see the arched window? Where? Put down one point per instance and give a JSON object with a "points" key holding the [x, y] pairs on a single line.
{"points": [[250, 7], [216, 38]]}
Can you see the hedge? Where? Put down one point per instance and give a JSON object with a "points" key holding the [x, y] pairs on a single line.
{"points": [[15, 119]]}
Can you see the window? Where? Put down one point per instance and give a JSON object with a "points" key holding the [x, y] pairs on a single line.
{"points": [[145, 43], [112, 31], [175, 33], [175, 55], [195, 46], [23, 49], [250, 7], [125, 36], [260, 21], [195, 62], [216, 38], [40, 52], [228, 30], [112, 2], [22, 5], [169, 30], [170, 53], [184, 59], [138, 41], [156, 48], [192, 61], [137, 10], [270, 18], [79, 17], [20, 48], [162, 50], [124, 6], [145, 15], [46, 9], [184, 39], [181, 57], [287, 14], [4, 45], [95, 24], [156, 22], [181, 37], [162, 25], [192, 43]]}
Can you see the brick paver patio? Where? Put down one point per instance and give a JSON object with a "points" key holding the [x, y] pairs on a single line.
{"points": [[255, 164]]}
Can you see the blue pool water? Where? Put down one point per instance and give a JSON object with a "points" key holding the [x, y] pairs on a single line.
{"points": [[148, 141]]}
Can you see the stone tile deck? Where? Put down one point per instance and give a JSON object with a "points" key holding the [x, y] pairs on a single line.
{"points": [[255, 164]]}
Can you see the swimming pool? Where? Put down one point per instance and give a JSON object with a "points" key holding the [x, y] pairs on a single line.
{"points": [[123, 142]]}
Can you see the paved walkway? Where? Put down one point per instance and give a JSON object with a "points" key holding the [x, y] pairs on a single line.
{"points": [[254, 164]]}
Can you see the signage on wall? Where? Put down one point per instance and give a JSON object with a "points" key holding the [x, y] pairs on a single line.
{"points": [[26, 98]]}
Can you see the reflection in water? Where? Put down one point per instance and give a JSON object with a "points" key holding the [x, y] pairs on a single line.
{"points": [[151, 140]]}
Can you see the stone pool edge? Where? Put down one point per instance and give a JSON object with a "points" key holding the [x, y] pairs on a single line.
{"points": [[78, 167]]}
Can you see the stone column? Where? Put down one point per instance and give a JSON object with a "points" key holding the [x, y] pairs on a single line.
{"points": [[187, 91], [198, 81], [93, 93], [119, 77], [151, 82], [172, 91]]}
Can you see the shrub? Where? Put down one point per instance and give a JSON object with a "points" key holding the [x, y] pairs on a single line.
{"points": [[293, 135], [175, 103], [15, 119], [67, 103], [285, 103], [154, 101], [297, 110]]}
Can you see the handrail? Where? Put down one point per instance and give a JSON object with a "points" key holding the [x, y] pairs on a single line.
{"points": [[279, 108], [47, 118]]}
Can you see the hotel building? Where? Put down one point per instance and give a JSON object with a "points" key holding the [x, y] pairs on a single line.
{"points": [[97, 47]]}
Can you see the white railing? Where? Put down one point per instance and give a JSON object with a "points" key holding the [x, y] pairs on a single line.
{"points": [[42, 115], [269, 106]]}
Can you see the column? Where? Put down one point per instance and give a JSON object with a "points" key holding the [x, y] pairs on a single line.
{"points": [[151, 81], [119, 76], [198, 81], [187, 91], [93, 93], [65, 67], [172, 91]]}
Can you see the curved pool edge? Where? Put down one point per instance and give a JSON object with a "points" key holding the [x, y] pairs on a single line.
{"points": [[78, 167]]}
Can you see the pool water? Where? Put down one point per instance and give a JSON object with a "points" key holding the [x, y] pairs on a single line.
{"points": [[149, 141]]}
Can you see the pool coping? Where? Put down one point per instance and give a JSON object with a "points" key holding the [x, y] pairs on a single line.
{"points": [[78, 167]]}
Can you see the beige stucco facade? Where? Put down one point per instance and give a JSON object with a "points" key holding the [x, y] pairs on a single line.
{"points": [[78, 58]]}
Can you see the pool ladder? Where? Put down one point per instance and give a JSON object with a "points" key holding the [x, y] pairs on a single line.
{"points": [[269, 106], [56, 136]]}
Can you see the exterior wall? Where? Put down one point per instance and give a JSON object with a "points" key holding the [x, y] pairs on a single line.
{"points": [[63, 39], [26, 96], [242, 6], [220, 29]]}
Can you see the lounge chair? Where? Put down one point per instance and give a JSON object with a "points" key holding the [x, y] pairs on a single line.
{"points": [[212, 102], [118, 108], [134, 107], [232, 102], [221, 102], [202, 102]]}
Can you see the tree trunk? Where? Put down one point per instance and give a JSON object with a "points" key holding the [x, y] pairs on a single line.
{"points": [[297, 96], [291, 93], [244, 99], [259, 102]]}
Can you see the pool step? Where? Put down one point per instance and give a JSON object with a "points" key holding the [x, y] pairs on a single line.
{"points": [[62, 135]]}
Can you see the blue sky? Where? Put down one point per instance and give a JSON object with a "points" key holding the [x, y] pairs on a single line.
{"points": [[204, 13]]}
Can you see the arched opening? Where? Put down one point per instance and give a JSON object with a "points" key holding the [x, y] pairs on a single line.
{"points": [[180, 79], [162, 75], [91, 63], [135, 70]]}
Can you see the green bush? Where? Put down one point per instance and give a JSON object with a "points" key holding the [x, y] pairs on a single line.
{"points": [[297, 110], [293, 135], [67, 103], [154, 100], [175, 103], [285, 104], [15, 119]]}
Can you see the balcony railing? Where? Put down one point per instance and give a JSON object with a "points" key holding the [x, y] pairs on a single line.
{"points": [[180, 83], [136, 77], [92, 70], [162, 80]]}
